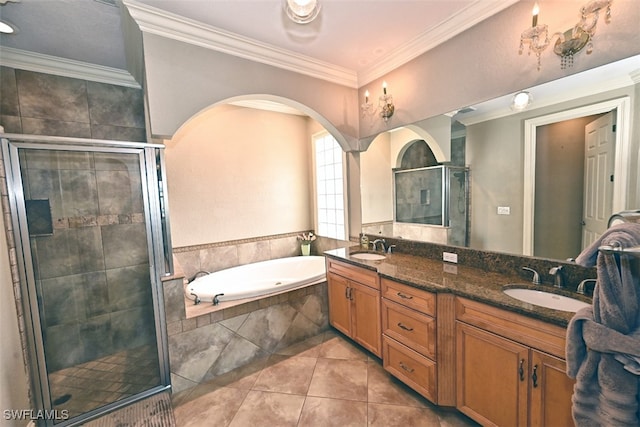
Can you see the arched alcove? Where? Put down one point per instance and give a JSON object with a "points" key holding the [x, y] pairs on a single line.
{"points": [[416, 154], [240, 172]]}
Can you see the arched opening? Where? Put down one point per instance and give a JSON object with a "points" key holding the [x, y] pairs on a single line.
{"points": [[416, 154], [242, 170]]}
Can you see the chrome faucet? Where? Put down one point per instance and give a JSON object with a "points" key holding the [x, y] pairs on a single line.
{"points": [[581, 287], [198, 274], [536, 277], [557, 273], [382, 242]]}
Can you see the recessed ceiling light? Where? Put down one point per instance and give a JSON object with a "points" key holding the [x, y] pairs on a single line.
{"points": [[521, 100], [7, 28]]}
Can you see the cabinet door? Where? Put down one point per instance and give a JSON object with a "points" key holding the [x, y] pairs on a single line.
{"points": [[551, 391], [339, 303], [365, 317], [492, 378]]}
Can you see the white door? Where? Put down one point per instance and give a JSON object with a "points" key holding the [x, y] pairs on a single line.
{"points": [[598, 177]]}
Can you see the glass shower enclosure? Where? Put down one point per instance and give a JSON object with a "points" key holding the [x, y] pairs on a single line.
{"points": [[92, 243], [434, 196]]}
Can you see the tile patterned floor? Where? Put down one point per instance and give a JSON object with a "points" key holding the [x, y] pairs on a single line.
{"points": [[93, 384], [324, 381]]}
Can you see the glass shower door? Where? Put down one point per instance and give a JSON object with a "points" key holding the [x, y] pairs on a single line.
{"points": [[88, 225]]}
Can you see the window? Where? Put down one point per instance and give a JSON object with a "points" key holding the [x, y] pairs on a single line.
{"points": [[329, 184]]}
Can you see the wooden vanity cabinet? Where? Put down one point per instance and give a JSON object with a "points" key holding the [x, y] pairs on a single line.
{"points": [[354, 303], [409, 336], [510, 368]]}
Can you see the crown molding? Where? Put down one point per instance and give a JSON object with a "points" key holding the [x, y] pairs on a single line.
{"points": [[41, 63], [152, 20], [155, 21], [467, 18]]}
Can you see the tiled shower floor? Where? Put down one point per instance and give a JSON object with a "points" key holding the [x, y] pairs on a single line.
{"points": [[88, 386], [323, 381]]}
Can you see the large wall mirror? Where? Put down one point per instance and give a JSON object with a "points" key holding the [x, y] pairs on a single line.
{"points": [[537, 185]]}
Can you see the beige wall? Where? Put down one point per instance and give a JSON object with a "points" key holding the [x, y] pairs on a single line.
{"points": [[236, 173], [478, 64], [377, 181], [182, 80], [483, 62], [13, 384]]}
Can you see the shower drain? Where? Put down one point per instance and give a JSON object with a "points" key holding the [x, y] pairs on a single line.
{"points": [[62, 399]]}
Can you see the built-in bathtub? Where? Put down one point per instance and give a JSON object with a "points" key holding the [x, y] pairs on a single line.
{"points": [[258, 279]]}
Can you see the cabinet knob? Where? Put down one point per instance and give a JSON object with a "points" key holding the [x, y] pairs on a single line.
{"points": [[521, 370], [534, 376]]}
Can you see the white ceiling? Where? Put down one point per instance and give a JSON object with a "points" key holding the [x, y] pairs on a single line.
{"points": [[356, 35]]}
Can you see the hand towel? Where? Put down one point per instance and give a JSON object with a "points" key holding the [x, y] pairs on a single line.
{"points": [[598, 337]]}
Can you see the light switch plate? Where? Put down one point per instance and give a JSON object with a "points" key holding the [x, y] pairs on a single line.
{"points": [[504, 210]]}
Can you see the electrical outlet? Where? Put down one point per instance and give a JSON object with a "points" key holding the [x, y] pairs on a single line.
{"points": [[451, 269], [504, 210], [449, 257]]}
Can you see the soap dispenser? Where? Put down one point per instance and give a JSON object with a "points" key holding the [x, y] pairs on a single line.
{"points": [[364, 241]]}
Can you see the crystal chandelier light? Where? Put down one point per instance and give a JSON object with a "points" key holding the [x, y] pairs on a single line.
{"points": [[571, 41]]}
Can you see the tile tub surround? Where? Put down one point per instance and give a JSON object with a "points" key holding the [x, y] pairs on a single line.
{"points": [[220, 255], [205, 347], [325, 380]]}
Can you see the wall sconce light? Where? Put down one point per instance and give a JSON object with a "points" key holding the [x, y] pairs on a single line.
{"points": [[569, 42], [385, 104]]}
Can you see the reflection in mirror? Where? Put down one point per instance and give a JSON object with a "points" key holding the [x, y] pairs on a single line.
{"points": [[530, 190], [408, 192]]}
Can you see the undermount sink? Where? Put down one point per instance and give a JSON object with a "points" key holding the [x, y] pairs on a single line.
{"points": [[546, 299], [368, 256]]}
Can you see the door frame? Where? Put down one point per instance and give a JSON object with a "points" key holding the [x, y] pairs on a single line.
{"points": [[622, 157]]}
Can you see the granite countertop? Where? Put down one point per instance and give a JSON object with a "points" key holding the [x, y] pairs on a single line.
{"points": [[473, 283]]}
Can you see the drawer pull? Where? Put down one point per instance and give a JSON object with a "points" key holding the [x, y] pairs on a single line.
{"points": [[406, 368], [406, 328], [404, 296], [534, 377], [521, 370]]}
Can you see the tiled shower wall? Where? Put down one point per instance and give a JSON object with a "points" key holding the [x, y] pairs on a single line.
{"points": [[43, 104]]}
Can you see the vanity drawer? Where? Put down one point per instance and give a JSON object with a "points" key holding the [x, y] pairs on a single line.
{"points": [[413, 369], [357, 274], [417, 299], [411, 328]]}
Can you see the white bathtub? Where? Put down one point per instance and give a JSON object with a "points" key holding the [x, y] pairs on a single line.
{"points": [[258, 279]]}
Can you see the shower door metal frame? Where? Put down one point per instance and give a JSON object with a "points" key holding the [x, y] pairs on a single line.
{"points": [[158, 247]]}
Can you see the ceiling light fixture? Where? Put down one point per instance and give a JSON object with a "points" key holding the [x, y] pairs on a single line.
{"points": [[571, 41], [385, 104], [7, 28], [302, 11], [521, 100]]}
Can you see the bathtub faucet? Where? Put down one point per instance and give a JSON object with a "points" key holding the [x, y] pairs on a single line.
{"points": [[216, 301], [198, 274]]}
